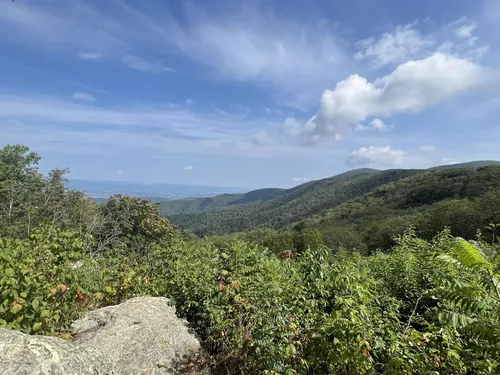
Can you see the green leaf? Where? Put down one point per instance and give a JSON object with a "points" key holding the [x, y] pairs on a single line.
{"points": [[35, 303], [16, 308], [37, 327]]}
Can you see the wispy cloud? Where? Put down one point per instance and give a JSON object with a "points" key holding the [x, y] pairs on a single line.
{"points": [[96, 56], [171, 121], [144, 65], [83, 97], [66, 26], [188, 168], [403, 44], [465, 31], [40, 121], [289, 59]]}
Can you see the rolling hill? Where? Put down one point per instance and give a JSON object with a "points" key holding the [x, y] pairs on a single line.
{"points": [[194, 206], [316, 201], [469, 165]]}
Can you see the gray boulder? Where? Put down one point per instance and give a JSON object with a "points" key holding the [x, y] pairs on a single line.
{"points": [[22, 354], [140, 336]]}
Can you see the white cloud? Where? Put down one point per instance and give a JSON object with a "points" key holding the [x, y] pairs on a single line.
{"points": [[64, 26], [51, 125], [465, 31], [289, 58], [119, 172], [373, 155], [260, 138], [96, 56], [141, 64], [411, 87], [375, 124], [300, 179], [404, 44], [42, 121], [83, 97], [167, 121], [378, 124], [427, 148], [188, 168]]}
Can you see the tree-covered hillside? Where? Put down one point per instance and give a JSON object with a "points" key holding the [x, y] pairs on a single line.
{"points": [[297, 204], [265, 301], [194, 206], [367, 198], [470, 165]]}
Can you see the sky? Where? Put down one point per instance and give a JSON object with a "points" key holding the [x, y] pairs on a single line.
{"points": [[249, 93]]}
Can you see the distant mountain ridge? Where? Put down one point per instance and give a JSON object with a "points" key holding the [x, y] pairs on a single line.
{"points": [[158, 191], [469, 165], [278, 208]]}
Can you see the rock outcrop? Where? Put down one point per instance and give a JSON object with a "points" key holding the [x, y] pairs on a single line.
{"points": [[141, 336]]}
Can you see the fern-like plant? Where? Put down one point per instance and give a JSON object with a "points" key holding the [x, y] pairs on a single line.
{"points": [[471, 297]]}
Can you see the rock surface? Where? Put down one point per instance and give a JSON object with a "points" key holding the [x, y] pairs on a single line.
{"points": [[141, 336], [23, 354]]}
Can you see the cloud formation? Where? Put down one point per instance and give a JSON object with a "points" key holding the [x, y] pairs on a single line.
{"points": [[188, 168], [375, 156], [465, 31], [411, 87], [144, 65], [405, 43], [96, 56], [83, 97], [375, 124]]}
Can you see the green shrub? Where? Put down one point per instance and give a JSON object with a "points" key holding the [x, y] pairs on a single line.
{"points": [[39, 287]]}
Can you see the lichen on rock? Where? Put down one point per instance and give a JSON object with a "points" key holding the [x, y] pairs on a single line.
{"points": [[140, 336]]}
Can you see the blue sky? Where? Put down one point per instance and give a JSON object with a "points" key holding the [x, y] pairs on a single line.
{"points": [[249, 93]]}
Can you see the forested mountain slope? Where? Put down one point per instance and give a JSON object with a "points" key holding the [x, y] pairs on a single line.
{"points": [[193, 206], [471, 165], [365, 197], [295, 205]]}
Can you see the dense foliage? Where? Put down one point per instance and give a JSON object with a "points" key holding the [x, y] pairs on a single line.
{"points": [[264, 301]]}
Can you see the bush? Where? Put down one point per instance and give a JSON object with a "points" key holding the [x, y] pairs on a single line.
{"points": [[41, 292]]}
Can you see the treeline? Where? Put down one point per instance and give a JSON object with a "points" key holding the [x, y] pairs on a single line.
{"points": [[263, 301]]}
